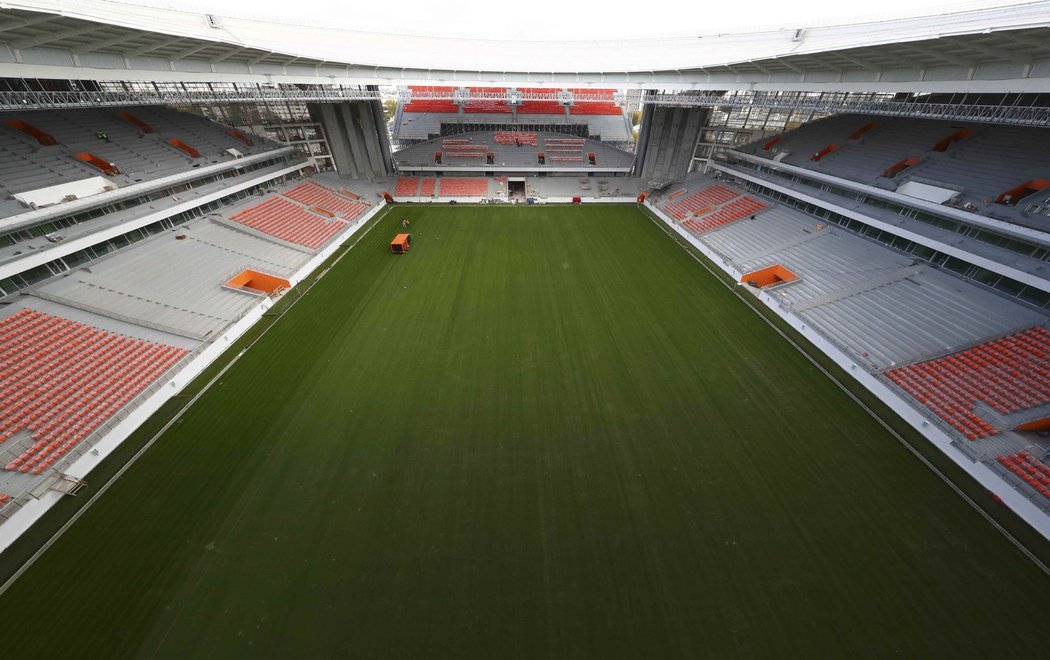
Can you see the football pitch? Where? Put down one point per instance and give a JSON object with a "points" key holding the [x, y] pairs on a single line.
{"points": [[541, 432]]}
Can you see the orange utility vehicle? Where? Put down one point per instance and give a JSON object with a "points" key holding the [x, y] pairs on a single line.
{"points": [[401, 243]]}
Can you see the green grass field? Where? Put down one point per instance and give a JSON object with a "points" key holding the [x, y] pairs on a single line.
{"points": [[543, 432]]}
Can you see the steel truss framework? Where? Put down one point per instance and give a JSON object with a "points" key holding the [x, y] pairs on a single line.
{"points": [[145, 93], [871, 104], [36, 100]]}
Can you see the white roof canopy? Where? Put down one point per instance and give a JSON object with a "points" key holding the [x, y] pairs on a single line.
{"points": [[997, 49]]}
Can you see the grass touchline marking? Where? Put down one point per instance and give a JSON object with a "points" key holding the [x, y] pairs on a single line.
{"points": [[732, 288], [79, 512]]}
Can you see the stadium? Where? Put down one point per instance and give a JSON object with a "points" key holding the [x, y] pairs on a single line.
{"points": [[328, 341]]}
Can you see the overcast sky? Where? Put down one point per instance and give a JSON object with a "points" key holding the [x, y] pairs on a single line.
{"points": [[554, 19]]}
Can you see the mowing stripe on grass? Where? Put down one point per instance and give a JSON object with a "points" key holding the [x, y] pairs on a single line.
{"points": [[542, 432]]}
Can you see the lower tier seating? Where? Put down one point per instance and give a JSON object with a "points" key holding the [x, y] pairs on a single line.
{"points": [[407, 186], [1029, 469], [464, 187], [702, 199], [314, 194], [514, 137], [289, 222], [428, 187], [731, 212], [61, 379], [1008, 374]]}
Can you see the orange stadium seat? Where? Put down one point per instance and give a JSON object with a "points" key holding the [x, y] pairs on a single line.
{"points": [[61, 380]]}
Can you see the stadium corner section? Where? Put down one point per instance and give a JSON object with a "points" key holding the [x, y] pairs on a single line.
{"points": [[200, 358], [985, 477]]}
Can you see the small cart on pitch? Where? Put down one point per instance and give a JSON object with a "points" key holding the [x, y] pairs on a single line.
{"points": [[401, 243]]}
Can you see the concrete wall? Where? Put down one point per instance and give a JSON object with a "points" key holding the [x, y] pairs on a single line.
{"points": [[357, 137], [666, 141]]}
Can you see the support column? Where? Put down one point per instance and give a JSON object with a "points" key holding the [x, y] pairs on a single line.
{"points": [[666, 142], [357, 137]]}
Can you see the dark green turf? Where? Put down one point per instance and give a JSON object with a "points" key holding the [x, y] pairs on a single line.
{"points": [[542, 432]]}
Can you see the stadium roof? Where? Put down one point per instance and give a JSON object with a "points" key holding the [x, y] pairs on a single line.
{"points": [[990, 49]]}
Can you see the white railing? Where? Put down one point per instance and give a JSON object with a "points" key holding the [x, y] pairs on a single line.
{"points": [[868, 104]]}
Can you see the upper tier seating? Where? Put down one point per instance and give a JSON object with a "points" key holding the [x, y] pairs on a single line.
{"points": [[452, 187], [1008, 374], [209, 138], [541, 108], [598, 108], [484, 91], [4, 499], [421, 105], [316, 195], [989, 163], [105, 134], [980, 161], [61, 380], [607, 94], [431, 105], [1029, 469], [500, 107], [702, 199], [27, 167], [289, 222], [740, 207]]}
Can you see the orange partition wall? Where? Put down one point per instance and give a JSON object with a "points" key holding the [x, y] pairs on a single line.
{"points": [[37, 134], [856, 135], [1037, 425], [824, 152], [179, 144], [253, 279], [242, 137], [101, 163], [769, 276], [1023, 190], [143, 126], [952, 139], [772, 143], [899, 166]]}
